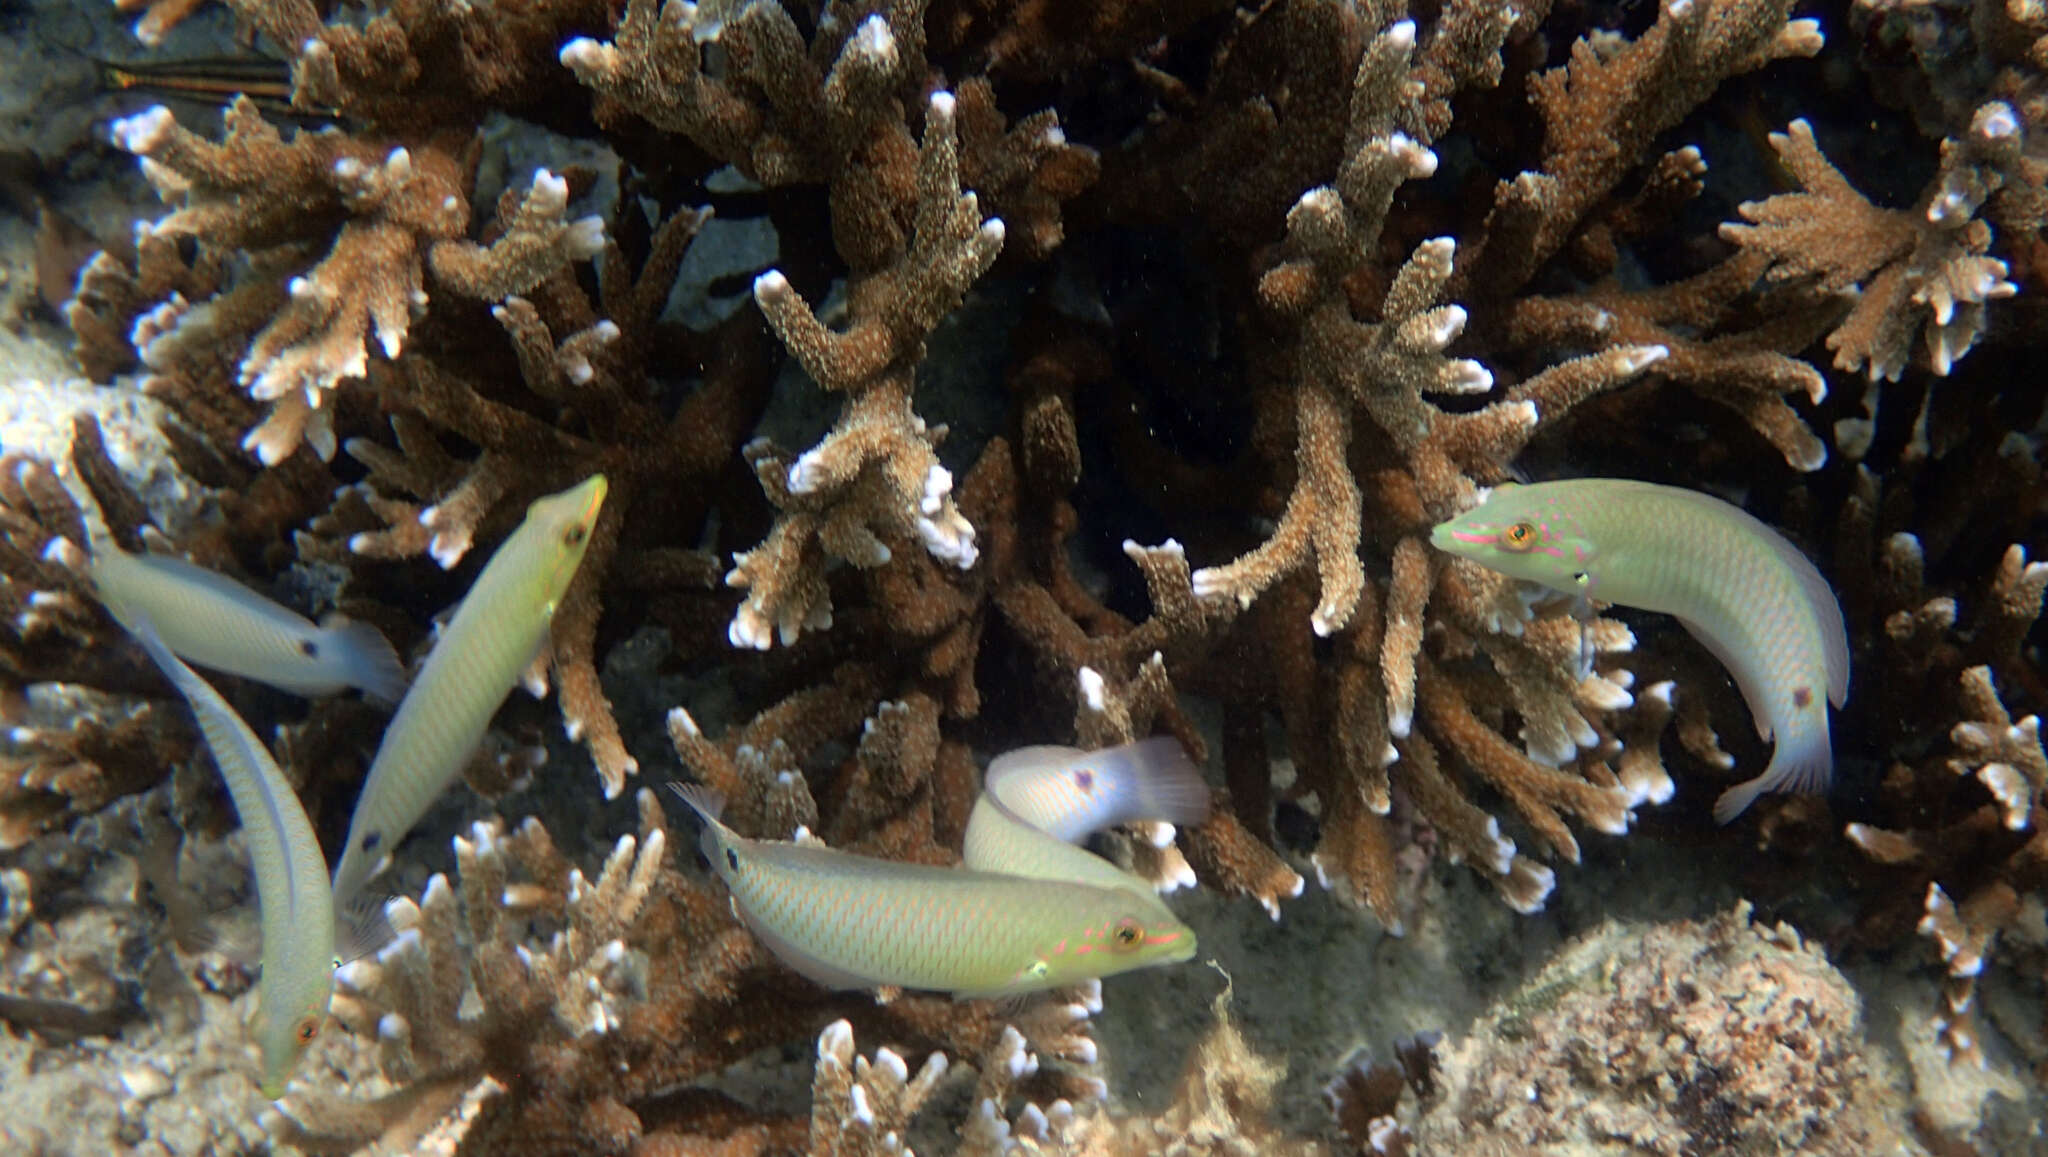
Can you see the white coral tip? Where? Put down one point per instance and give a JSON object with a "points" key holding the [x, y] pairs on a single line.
{"points": [[145, 131], [1640, 358], [584, 54], [938, 482], [874, 41], [943, 103], [1092, 688], [1996, 121], [770, 284], [586, 237], [680, 719]]}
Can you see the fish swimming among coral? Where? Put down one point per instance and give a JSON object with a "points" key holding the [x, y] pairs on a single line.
{"points": [[216, 622], [1736, 585], [1038, 802], [291, 873], [496, 633], [853, 921]]}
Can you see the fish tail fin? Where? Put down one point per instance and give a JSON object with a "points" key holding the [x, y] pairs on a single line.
{"points": [[1165, 784], [709, 804], [367, 656], [703, 799], [237, 940], [1802, 763], [362, 926]]}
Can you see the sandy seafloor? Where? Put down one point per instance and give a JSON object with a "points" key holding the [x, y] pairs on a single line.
{"points": [[1309, 988]]}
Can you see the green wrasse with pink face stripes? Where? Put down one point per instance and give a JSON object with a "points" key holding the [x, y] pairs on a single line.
{"points": [[851, 921], [1735, 584]]}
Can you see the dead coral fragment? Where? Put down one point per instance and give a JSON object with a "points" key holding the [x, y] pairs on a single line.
{"points": [[874, 479], [387, 217], [1669, 1040], [1907, 270]]}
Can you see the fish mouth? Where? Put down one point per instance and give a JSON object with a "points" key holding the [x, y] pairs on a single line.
{"points": [[1176, 948], [599, 486]]}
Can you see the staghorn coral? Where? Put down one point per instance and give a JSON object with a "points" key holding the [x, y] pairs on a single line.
{"points": [[617, 1007], [393, 216], [54, 769], [874, 479], [1279, 285], [1909, 272]]}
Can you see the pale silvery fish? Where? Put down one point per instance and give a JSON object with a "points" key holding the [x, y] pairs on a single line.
{"points": [[493, 637], [1737, 585], [216, 622]]}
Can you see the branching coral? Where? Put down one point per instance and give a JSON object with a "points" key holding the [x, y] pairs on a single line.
{"points": [[1385, 368], [586, 1032], [874, 479], [55, 631], [1908, 270], [394, 216], [1274, 287]]}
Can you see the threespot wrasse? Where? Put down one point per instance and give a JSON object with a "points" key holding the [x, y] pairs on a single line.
{"points": [[496, 633], [291, 873], [1735, 584], [216, 622], [850, 921], [1037, 803]]}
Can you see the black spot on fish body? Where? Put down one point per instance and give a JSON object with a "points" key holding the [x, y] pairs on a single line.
{"points": [[371, 841], [1085, 780], [309, 648], [732, 859], [1802, 697]]}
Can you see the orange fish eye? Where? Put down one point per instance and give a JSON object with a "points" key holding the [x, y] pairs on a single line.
{"points": [[1128, 935], [1518, 538], [306, 1030]]}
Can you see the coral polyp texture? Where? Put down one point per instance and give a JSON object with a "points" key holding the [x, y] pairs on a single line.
{"points": [[970, 375]]}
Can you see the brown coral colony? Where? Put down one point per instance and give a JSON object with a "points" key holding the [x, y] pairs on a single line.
{"points": [[998, 293]]}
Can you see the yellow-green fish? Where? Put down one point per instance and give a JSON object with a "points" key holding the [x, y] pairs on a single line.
{"points": [[1743, 591], [851, 921], [494, 636], [291, 874], [1038, 802], [216, 622]]}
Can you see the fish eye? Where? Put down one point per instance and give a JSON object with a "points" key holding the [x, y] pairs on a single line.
{"points": [[304, 1031], [1518, 538], [1127, 935], [575, 535]]}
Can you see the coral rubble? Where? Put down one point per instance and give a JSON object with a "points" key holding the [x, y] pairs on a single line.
{"points": [[1720, 1035]]}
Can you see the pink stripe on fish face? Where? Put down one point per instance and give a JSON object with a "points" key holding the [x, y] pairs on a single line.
{"points": [[1466, 536], [1162, 938]]}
